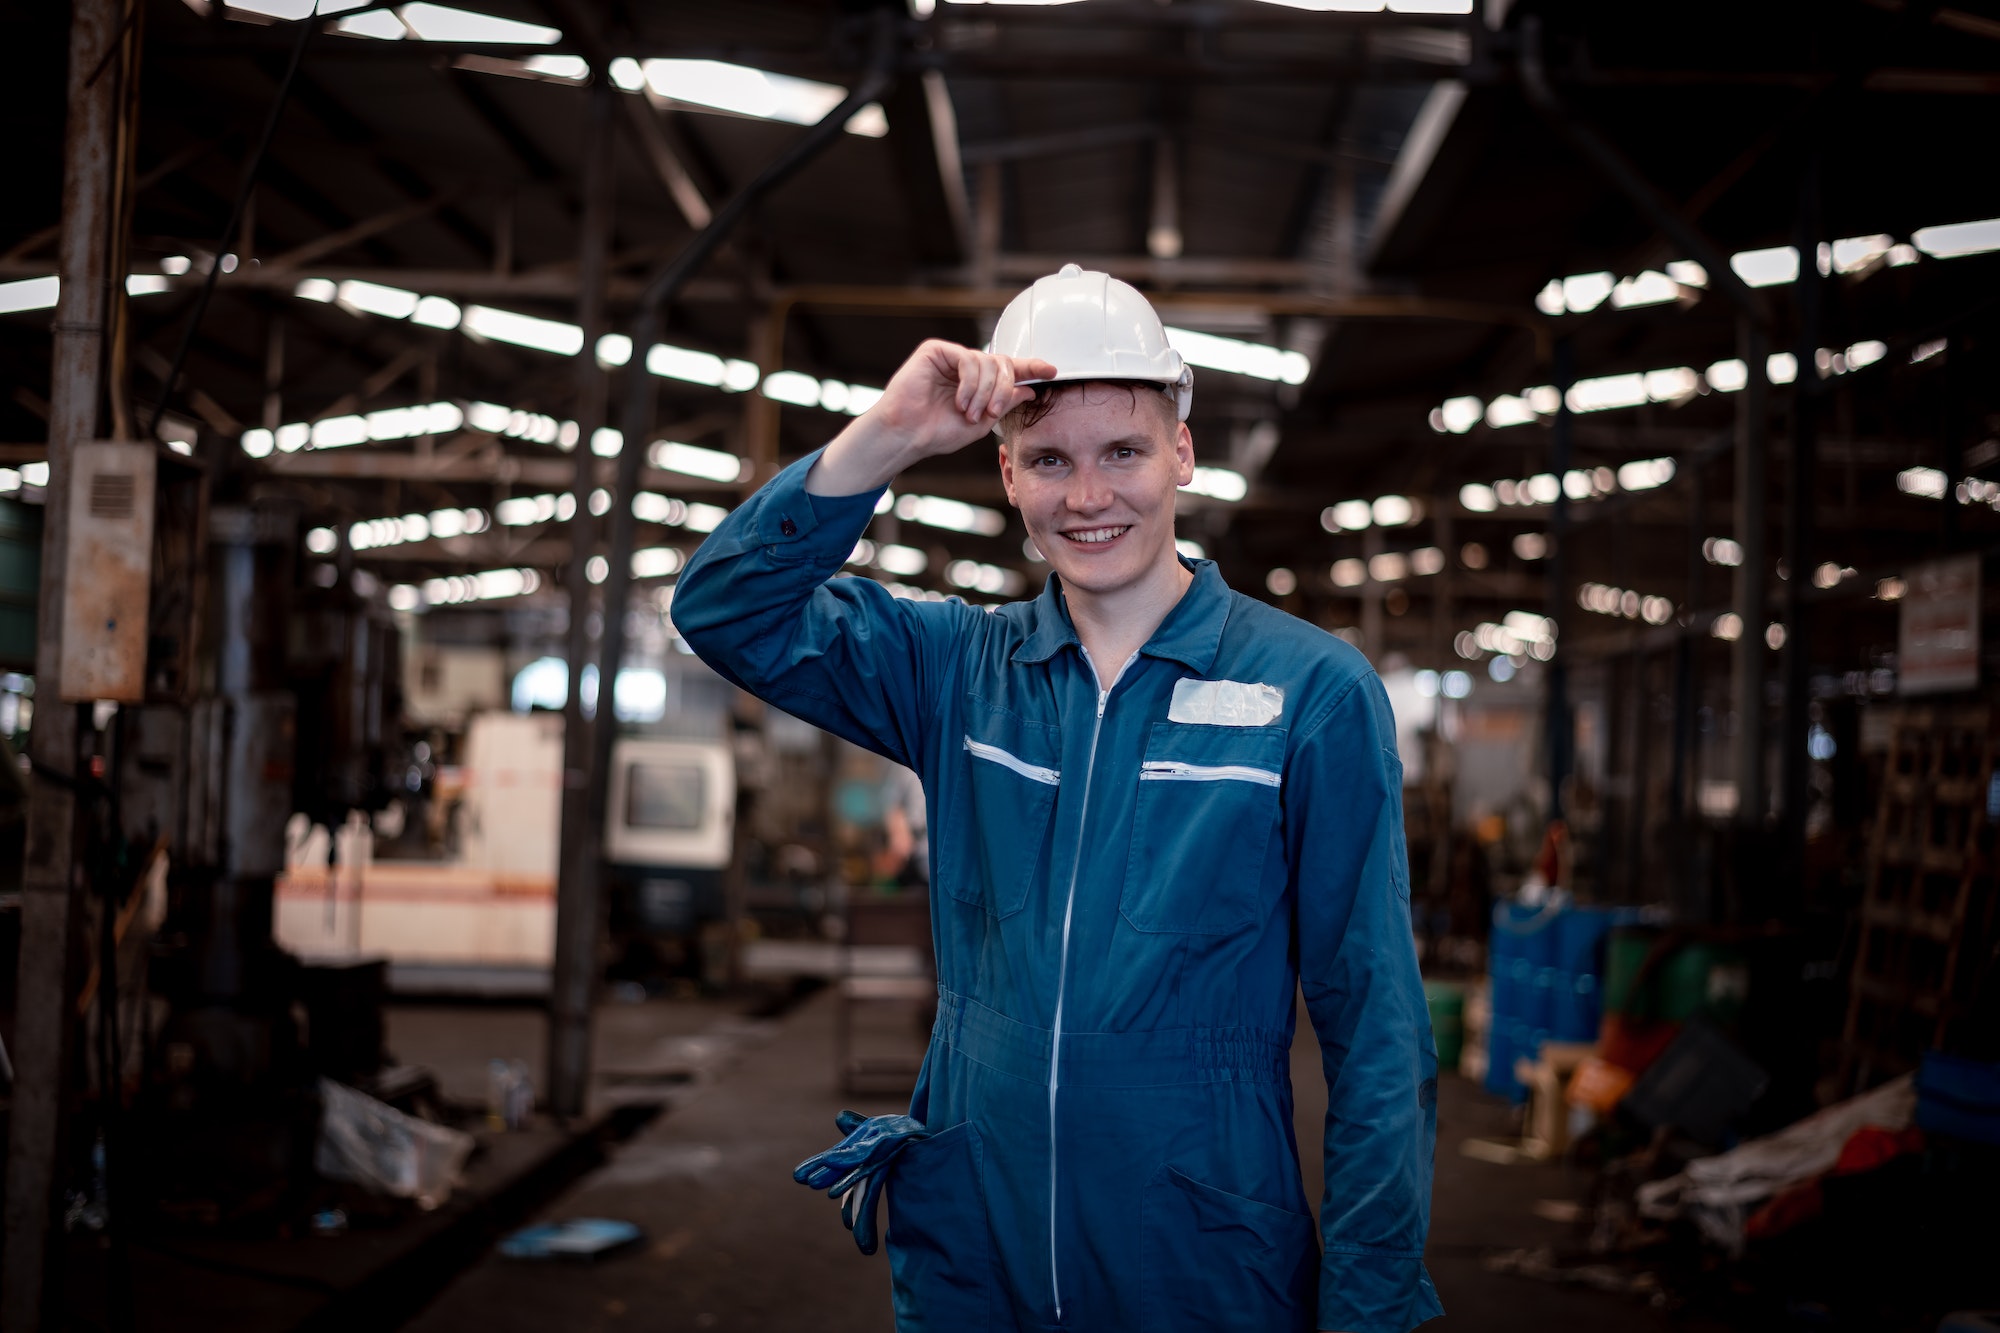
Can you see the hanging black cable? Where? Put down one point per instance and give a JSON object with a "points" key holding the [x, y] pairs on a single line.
{"points": [[307, 26]]}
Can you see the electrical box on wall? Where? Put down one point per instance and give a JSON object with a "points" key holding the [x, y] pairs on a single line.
{"points": [[107, 575]]}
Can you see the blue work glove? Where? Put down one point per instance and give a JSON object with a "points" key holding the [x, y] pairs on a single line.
{"points": [[855, 1169]]}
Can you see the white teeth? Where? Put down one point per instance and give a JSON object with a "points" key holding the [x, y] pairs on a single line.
{"points": [[1096, 534]]}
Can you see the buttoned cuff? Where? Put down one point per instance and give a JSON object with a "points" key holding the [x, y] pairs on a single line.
{"points": [[1375, 1293], [804, 526]]}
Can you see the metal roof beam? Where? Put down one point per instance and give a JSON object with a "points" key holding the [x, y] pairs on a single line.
{"points": [[352, 234]]}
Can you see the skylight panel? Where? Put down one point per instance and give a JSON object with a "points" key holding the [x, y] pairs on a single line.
{"points": [[437, 313], [952, 515], [1606, 392], [1649, 288], [1508, 410], [29, 294], [380, 24], [682, 363], [1960, 238], [792, 386], [1219, 483], [1352, 6], [559, 67], [441, 23], [288, 10], [704, 517], [1586, 291], [694, 461], [544, 335], [1258, 360], [721, 86], [1766, 268], [1854, 253], [655, 562], [376, 299]]}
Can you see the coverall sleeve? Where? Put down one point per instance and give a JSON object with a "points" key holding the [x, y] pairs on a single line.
{"points": [[759, 603], [1358, 970]]}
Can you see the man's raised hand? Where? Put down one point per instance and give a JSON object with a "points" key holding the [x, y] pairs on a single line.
{"points": [[940, 400]]}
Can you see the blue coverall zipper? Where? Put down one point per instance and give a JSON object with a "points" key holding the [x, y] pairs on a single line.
{"points": [[1062, 968]]}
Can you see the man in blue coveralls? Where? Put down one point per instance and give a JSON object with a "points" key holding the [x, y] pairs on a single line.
{"points": [[1157, 808]]}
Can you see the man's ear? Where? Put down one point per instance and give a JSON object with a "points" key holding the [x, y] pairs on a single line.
{"points": [[1183, 453], [1007, 474]]}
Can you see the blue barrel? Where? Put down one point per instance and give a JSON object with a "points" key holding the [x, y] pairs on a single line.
{"points": [[1576, 992], [1522, 958]]}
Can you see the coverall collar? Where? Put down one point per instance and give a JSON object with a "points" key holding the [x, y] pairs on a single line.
{"points": [[1191, 634]]}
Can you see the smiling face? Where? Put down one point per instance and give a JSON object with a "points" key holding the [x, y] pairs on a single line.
{"points": [[1095, 479]]}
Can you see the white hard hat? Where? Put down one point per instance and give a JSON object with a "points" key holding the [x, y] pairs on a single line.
{"points": [[1091, 326]]}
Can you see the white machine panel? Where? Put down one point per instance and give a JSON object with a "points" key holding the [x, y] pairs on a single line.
{"points": [[672, 803]]}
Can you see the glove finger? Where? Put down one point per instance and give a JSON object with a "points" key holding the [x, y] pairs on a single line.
{"points": [[848, 1203], [821, 1170], [847, 1182], [849, 1121], [865, 1234]]}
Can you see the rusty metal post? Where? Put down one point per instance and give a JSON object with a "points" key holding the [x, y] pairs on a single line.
{"points": [[52, 897], [760, 414], [572, 985]]}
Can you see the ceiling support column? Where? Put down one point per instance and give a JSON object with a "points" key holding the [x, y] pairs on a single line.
{"points": [[1794, 767], [52, 891], [1749, 599], [1560, 736], [579, 897]]}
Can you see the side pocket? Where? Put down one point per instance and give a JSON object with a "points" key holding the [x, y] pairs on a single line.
{"points": [[1213, 1260], [940, 1241]]}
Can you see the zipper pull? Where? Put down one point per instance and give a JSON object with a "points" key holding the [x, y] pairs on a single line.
{"points": [[1103, 697]]}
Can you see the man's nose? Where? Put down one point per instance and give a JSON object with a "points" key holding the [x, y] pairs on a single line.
{"points": [[1089, 491]]}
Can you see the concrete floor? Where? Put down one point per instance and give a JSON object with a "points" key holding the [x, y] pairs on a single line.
{"points": [[733, 1244]]}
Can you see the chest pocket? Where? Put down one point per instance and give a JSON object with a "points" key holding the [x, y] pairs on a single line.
{"points": [[1000, 823], [1201, 828]]}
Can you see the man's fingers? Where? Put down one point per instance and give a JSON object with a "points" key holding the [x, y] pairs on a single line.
{"points": [[957, 363], [1032, 368], [1002, 400], [984, 370]]}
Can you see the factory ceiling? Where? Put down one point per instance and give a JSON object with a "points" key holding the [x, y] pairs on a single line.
{"points": [[1369, 215]]}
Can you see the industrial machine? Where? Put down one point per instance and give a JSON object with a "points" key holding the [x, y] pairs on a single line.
{"points": [[669, 835], [482, 919]]}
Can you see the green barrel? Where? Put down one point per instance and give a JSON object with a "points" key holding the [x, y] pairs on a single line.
{"points": [[1698, 979], [1447, 1005]]}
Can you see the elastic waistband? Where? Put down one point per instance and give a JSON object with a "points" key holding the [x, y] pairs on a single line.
{"points": [[1157, 1058]]}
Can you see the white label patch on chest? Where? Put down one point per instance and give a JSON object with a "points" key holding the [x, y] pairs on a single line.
{"points": [[1226, 703]]}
